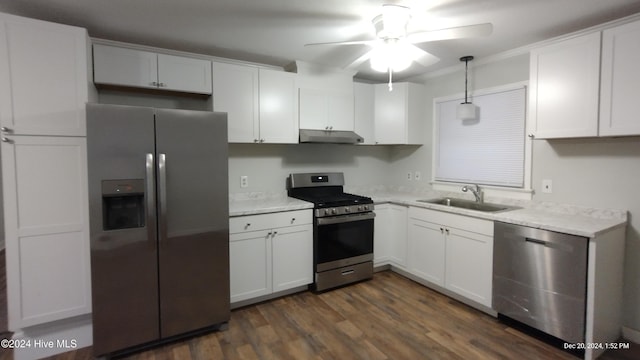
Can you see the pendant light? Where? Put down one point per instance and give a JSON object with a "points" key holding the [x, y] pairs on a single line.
{"points": [[466, 110]]}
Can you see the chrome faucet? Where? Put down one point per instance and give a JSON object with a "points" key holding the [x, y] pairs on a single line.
{"points": [[476, 192]]}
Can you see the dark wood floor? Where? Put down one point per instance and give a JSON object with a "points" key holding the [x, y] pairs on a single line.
{"points": [[389, 317]]}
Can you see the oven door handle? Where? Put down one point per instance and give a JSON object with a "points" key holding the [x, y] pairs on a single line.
{"points": [[346, 218]]}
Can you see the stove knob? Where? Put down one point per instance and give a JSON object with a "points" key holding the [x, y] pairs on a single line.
{"points": [[334, 211], [360, 208], [347, 209], [366, 207], [326, 211]]}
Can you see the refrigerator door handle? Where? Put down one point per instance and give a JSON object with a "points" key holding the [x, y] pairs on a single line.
{"points": [[162, 195], [151, 197]]}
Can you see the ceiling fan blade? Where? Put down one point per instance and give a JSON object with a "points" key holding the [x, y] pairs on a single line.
{"points": [[420, 56], [359, 61], [357, 42], [459, 32]]}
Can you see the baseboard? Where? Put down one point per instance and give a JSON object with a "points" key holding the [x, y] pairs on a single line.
{"points": [[631, 334]]}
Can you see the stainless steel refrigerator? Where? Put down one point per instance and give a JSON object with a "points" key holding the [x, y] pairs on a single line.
{"points": [[159, 215]]}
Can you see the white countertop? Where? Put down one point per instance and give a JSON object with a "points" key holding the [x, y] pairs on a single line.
{"points": [[570, 219]]}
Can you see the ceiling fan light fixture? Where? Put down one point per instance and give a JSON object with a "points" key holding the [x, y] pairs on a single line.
{"points": [[390, 55]]}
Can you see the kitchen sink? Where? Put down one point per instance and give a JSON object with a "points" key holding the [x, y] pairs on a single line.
{"points": [[469, 204]]}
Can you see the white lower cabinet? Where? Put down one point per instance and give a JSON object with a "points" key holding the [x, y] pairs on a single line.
{"points": [[270, 253], [390, 235], [452, 251]]}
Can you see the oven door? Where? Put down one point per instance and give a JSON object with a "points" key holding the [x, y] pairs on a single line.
{"points": [[343, 240]]}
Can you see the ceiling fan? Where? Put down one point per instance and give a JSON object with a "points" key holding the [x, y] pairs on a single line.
{"points": [[393, 49]]}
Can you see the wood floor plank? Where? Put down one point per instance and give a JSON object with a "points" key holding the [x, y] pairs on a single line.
{"points": [[389, 317]]}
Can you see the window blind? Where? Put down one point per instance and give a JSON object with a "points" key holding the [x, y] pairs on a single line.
{"points": [[488, 150]]}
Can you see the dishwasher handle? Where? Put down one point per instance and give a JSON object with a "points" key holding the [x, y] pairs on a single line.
{"points": [[536, 241]]}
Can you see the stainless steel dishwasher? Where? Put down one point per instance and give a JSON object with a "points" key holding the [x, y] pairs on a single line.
{"points": [[540, 279]]}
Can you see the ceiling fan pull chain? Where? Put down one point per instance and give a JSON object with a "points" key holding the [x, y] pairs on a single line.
{"points": [[390, 78]]}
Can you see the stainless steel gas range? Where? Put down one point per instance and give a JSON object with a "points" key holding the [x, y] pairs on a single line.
{"points": [[343, 229]]}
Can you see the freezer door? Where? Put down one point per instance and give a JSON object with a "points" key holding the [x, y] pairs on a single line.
{"points": [[120, 145], [193, 225]]}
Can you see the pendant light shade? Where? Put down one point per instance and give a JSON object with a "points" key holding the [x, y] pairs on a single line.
{"points": [[466, 110]]}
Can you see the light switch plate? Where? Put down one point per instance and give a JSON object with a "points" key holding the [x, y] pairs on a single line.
{"points": [[409, 176], [547, 186], [244, 181], [417, 175]]}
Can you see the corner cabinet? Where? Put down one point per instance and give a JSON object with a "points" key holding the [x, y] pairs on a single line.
{"points": [[270, 253], [452, 251], [143, 69], [400, 115], [261, 104], [44, 169]]}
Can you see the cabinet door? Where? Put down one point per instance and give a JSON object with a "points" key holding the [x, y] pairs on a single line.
{"points": [[235, 91], [382, 235], [313, 109], [363, 95], [565, 80], [620, 79], [398, 246], [46, 228], [184, 74], [341, 111], [43, 77], [292, 257], [469, 265], [427, 251], [278, 107], [249, 265], [125, 67], [390, 114]]}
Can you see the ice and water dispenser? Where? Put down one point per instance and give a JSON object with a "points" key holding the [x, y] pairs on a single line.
{"points": [[123, 204]]}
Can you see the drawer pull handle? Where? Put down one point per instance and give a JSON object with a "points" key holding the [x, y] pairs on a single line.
{"points": [[347, 272], [247, 226], [293, 220]]}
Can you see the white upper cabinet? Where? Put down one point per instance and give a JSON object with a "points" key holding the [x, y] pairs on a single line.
{"points": [[261, 104], [323, 109], [364, 100], [565, 80], [278, 102], [143, 69], [620, 79], [235, 91], [325, 99], [399, 115], [43, 77], [184, 74]]}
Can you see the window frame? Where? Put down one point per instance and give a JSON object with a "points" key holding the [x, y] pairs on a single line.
{"points": [[523, 193]]}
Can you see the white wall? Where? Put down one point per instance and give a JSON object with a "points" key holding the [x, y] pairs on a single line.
{"points": [[268, 165], [601, 173]]}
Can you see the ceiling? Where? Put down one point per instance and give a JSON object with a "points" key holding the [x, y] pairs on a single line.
{"points": [[274, 31]]}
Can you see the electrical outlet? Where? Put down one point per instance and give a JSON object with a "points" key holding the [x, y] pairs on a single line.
{"points": [[547, 186], [417, 176], [409, 176], [244, 181]]}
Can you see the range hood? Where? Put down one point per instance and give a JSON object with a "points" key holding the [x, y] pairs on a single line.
{"points": [[329, 136]]}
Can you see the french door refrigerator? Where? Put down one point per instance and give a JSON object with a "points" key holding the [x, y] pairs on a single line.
{"points": [[159, 220]]}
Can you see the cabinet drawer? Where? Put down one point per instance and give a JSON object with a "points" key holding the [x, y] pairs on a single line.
{"points": [[467, 223], [269, 221]]}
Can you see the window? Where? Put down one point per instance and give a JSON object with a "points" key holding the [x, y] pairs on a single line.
{"points": [[489, 150]]}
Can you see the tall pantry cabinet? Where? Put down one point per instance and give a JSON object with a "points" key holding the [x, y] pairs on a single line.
{"points": [[44, 85]]}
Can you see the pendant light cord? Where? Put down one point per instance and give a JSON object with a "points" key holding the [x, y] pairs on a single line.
{"points": [[466, 70], [466, 75]]}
